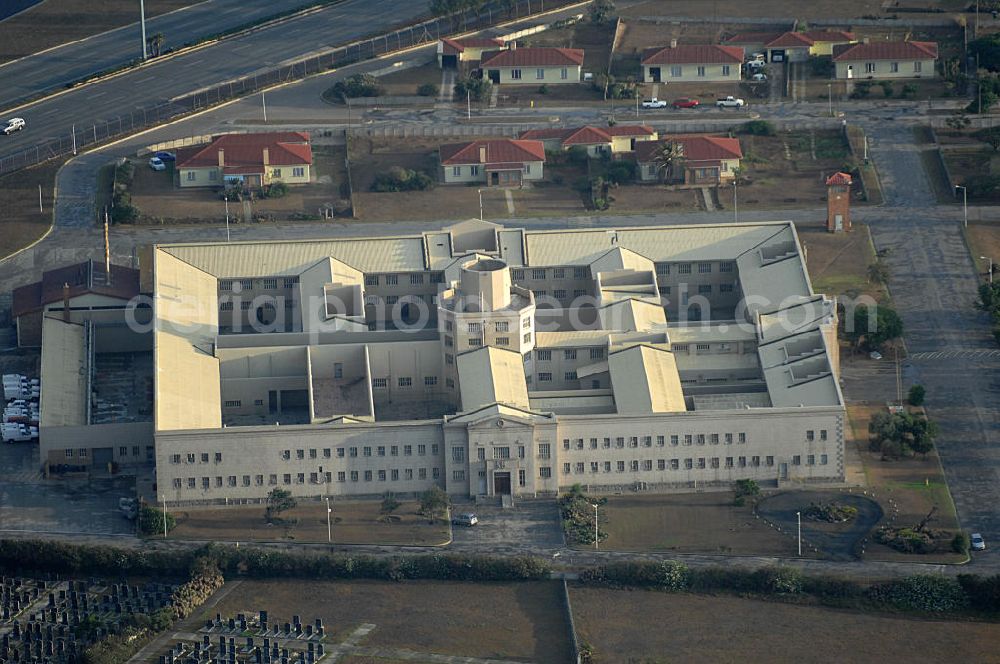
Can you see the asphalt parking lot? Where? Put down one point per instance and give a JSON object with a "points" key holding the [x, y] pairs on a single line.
{"points": [[531, 523], [30, 503]]}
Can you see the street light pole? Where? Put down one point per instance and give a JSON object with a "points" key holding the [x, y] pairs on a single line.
{"points": [[798, 516], [990, 259], [596, 545], [481, 204], [329, 528], [226, 198], [965, 204], [736, 208], [263, 104], [142, 22], [829, 96]]}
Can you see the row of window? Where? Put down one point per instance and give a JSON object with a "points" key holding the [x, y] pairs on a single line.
{"points": [[368, 450], [402, 381], [661, 441], [474, 169], [540, 74], [193, 457], [297, 172], [123, 451], [636, 465], [267, 283], [541, 273], [416, 279], [871, 67], [392, 474], [677, 71]]}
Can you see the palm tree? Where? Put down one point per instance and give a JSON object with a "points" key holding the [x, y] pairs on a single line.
{"points": [[157, 41], [667, 157], [878, 273]]}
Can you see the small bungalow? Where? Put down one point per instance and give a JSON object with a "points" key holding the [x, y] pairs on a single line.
{"points": [[885, 59], [497, 163], [251, 160], [450, 52], [791, 46], [700, 160], [597, 140], [691, 63], [533, 66]]}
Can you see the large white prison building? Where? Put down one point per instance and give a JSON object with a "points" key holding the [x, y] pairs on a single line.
{"points": [[491, 360]]}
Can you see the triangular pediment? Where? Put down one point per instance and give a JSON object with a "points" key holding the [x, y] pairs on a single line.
{"points": [[498, 416]]}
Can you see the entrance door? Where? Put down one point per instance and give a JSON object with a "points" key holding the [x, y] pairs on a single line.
{"points": [[783, 471], [654, 73], [838, 222], [494, 76], [501, 484], [482, 482], [494, 179]]}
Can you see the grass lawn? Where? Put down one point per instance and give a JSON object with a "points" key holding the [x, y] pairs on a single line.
{"points": [[838, 262], [354, 522], [915, 485], [522, 621], [406, 81], [689, 523], [984, 240], [21, 222], [49, 24], [748, 630]]}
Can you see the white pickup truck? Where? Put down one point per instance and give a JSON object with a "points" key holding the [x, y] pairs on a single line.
{"points": [[730, 102], [654, 103]]}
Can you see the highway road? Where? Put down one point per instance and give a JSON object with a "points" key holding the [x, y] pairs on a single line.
{"points": [[226, 60], [52, 69]]}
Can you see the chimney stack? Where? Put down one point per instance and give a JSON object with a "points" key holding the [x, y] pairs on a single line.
{"points": [[222, 158], [66, 301], [482, 154], [267, 158], [513, 46], [673, 43]]}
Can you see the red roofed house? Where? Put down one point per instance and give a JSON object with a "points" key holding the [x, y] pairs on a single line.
{"points": [[885, 59], [704, 160], [469, 49], [597, 140], [692, 62], [791, 46], [533, 66], [498, 163], [254, 160]]}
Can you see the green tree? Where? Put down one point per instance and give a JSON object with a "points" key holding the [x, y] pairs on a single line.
{"points": [[960, 543], [887, 89], [668, 158], [389, 503], [991, 137], [744, 489], [359, 85], [899, 434], [909, 90], [427, 90], [476, 89], [987, 50], [151, 521], [278, 501], [759, 128], [958, 121], [434, 501], [156, 43], [601, 11], [982, 186], [916, 395], [878, 273], [874, 326]]}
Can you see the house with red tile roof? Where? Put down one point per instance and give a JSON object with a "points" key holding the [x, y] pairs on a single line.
{"points": [[682, 63], [791, 46], [596, 140], [450, 52], [253, 160], [885, 59], [497, 163], [533, 66], [701, 160]]}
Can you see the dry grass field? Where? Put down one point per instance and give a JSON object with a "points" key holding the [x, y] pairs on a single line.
{"points": [[793, 9], [57, 22], [838, 262], [696, 628], [353, 522], [513, 621], [21, 222], [984, 240]]}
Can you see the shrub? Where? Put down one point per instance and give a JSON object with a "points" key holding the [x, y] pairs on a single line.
{"points": [[277, 190], [621, 172], [759, 128], [151, 520], [909, 90], [359, 85], [921, 592], [577, 510], [960, 543], [916, 395], [543, 89], [664, 574], [830, 512], [389, 503], [983, 592], [887, 89], [402, 179], [427, 90], [434, 501], [476, 89], [278, 501]]}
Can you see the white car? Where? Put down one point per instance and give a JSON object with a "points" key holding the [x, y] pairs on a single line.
{"points": [[654, 103], [730, 102], [755, 64], [157, 164], [759, 76], [468, 519], [978, 543], [14, 124]]}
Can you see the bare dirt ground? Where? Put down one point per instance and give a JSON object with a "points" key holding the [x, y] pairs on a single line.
{"points": [[690, 523], [60, 21], [352, 522], [21, 222], [522, 621], [770, 8], [746, 630], [838, 262], [984, 240], [915, 485]]}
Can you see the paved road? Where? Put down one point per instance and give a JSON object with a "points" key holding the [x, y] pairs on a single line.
{"points": [[53, 69], [226, 60]]}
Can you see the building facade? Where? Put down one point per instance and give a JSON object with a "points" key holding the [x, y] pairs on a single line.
{"points": [[682, 63], [533, 66], [885, 60]]}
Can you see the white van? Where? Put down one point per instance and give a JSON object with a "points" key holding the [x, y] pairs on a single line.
{"points": [[14, 124]]}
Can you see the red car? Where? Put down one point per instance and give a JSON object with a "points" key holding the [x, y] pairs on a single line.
{"points": [[684, 102]]}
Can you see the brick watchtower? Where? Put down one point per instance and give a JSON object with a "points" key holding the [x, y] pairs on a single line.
{"points": [[838, 203]]}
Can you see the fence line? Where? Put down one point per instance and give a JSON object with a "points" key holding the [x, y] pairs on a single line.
{"points": [[154, 115]]}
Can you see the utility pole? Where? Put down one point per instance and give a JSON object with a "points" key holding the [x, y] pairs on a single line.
{"points": [[468, 104], [263, 104], [142, 22], [74, 140], [164, 517], [596, 545], [40, 209], [798, 516], [329, 526], [736, 208], [829, 96], [226, 198]]}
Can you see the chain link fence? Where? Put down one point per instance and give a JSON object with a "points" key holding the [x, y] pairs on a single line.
{"points": [[81, 137]]}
